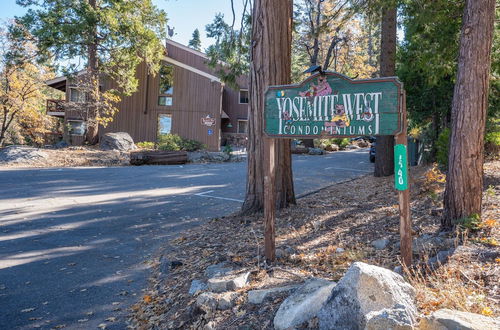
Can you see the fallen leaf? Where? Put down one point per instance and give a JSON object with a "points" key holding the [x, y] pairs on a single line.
{"points": [[111, 319], [102, 326], [487, 311], [83, 320], [147, 299]]}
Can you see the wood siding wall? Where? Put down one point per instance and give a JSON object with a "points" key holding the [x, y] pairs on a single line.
{"points": [[194, 97], [234, 110]]}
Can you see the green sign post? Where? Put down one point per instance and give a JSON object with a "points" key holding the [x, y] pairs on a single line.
{"points": [[400, 167], [329, 104]]}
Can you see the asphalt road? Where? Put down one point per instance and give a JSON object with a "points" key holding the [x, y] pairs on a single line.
{"points": [[75, 243]]}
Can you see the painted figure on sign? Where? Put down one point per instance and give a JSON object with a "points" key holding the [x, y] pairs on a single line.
{"points": [[367, 115], [321, 89], [340, 119]]}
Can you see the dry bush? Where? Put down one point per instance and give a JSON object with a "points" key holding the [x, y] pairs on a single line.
{"points": [[449, 287]]}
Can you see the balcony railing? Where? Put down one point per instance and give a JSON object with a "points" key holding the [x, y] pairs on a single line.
{"points": [[55, 107]]}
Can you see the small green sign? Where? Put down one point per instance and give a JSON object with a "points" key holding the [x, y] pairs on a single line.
{"points": [[333, 105], [400, 167]]}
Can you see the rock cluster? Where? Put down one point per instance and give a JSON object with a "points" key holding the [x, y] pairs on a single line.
{"points": [[367, 297], [21, 154], [218, 293]]}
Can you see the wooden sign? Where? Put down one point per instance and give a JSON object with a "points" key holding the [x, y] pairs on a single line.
{"points": [[333, 105], [208, 121]]}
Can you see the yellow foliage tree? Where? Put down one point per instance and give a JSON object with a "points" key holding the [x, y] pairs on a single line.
{"points": [[21, 91]]}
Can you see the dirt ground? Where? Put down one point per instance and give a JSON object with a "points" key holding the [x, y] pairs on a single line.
{"points": [[321, 237]]}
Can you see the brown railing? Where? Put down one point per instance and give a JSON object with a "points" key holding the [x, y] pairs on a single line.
{"points": [[55, 105]]}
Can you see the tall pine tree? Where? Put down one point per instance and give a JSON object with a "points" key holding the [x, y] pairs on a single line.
{"points": [[195, 41], [464, 181], [112, 37]]}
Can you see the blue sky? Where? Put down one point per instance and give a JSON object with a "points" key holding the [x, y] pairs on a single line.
{"points": [[184, 15]]}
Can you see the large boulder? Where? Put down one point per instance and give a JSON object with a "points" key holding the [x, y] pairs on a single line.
{"points": [[445, 319], [303, 304], [364, 289], [120, 141], [21, 155]]}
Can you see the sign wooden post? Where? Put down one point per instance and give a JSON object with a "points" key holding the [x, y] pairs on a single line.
{"points": [[402, 185], [269, 198], [329, 105]]}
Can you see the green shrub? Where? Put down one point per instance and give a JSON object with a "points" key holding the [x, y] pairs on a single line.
{"points": [[191, 145], [341, 142], [472, 222], [442, 145], [228, 149], [492, 138], [169, 142], [146, 145], [173, 142]]}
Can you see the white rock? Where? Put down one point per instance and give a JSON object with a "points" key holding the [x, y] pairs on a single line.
{"points": [[445, 319], [207, 302], [303, 304], [364, 289], [226, 300], [389, 319], [380, 244], [228, 282], [258, 296], [196, 287]]}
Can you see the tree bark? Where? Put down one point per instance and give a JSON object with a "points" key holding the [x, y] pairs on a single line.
{"points": [[92, 134], [270, 65], [464, 183], [384, 148]]}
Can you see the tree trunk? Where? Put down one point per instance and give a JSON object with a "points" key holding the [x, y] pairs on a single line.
{"points": [[464, 183], [270, 65], [92, 134], [384, 148]]}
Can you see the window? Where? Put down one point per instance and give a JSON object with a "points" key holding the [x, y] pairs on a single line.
{"points": [[164, 124], [243, 96], [242, 126], [166, 85], [165, 100], [76, 95], [76, 127]]}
